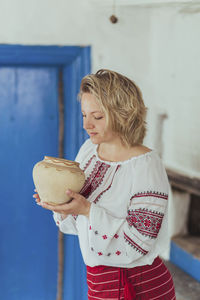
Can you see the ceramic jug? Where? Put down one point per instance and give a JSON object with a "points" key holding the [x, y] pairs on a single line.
{"points": [[53, 176]]}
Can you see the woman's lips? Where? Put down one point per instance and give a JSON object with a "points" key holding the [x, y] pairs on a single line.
{"points": [[92, 133]]}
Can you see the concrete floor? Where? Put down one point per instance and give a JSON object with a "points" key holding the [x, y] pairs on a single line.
{"points": [[186, 287]]}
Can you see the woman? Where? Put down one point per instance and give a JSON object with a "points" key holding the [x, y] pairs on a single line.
{"points": [[120, 215]]}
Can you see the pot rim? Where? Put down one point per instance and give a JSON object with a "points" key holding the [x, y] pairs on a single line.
{"points": [[61, 160]]}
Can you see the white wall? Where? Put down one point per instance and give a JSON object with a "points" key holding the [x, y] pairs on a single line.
{"points": [[157, 46], [175, 66]]}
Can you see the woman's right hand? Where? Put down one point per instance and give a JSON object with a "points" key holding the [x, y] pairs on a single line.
{"points": [[36, 196], [37, 200]]}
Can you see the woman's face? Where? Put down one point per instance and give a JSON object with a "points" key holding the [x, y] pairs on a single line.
{"points": [[94, 121]]}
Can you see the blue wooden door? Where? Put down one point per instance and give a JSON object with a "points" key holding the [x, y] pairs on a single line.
{"points": [[28, 131]]}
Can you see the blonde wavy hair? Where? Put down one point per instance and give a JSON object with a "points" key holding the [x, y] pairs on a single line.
{"points": [[121, 101]]}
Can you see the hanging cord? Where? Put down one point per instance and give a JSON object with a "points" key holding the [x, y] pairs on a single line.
{"points": [[113, 18], [59, 295], [129, 292]]}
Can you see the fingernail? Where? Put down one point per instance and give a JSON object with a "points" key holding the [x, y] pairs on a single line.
{"points": [[68, 191]]}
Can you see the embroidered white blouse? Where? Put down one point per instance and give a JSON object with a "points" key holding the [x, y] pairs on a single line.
{"points": [[127, 225]]}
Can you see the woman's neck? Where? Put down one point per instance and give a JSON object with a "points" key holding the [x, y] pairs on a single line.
{"points": [[116, 151]]}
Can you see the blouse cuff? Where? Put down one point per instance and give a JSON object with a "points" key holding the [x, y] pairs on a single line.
{"points": [[58, 218], [67, 225]]}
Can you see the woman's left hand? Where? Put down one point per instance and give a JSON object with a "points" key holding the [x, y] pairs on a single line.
{"points": [[79, 205]]}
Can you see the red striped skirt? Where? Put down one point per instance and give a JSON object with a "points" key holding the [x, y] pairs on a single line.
{"points": [[139, 283]]}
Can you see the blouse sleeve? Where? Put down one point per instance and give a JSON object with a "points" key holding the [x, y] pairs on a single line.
{"points": [[136, 234], [67, 225]]}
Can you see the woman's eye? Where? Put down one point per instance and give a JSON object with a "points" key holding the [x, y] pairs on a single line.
{"points": [[98, 118]]}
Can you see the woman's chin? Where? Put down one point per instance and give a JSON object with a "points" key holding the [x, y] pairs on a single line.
{"points": [[94, 139]]}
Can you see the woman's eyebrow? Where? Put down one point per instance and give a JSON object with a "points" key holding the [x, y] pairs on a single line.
{"points": [[96, 111]]}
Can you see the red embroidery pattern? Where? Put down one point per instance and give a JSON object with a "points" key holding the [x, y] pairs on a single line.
{"points": [[103, 235], [106, 254], [134, 245], [85, 167], [88, 162], [147, 222], [94, 179], [150, 194], [75, 217], [99, 196]]}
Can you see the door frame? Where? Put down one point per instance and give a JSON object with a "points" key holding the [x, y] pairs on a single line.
{"points": [[44, 55], [75, 62]]}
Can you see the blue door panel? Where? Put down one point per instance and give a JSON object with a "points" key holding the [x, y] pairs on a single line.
{"points": [[74, 267], [28, 131]]}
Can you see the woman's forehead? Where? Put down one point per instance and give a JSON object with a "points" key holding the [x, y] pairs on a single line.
{"points": [[89, 102]]}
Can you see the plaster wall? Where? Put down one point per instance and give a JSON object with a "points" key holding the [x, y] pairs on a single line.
{"points": [[175, 62], [157, 46]]}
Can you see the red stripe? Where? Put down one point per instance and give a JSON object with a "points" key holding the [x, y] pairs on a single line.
{"points": [[136, 246], [163, 196], [152, 281]]}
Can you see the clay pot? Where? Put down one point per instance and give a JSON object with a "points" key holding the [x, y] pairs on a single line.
{"points": [[53, 176]]}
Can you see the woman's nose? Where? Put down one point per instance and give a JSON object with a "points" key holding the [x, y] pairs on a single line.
{"points": [[87, 124]]}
